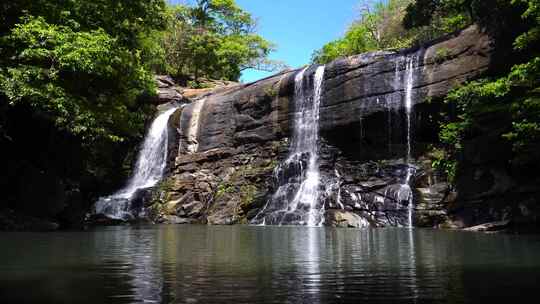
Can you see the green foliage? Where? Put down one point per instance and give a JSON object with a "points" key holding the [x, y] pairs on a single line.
{"points": [[248, 194], [241, 181], [271, 91], [447, 14], [81, 63], [532, 35], [126, 20], [224, 188], [80, 71], [378, 28], [441, 54], [47, 67], [420, 13], [514, 96], [428, 19], [442, 161], [525, 107], [356, 41], [165, 186], [214, 39], [397, 24]]}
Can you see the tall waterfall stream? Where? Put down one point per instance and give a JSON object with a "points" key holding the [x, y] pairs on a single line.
{"points": [[148, 171], [296, 200], [408, 86]]}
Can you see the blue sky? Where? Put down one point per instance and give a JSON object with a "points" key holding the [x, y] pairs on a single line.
{"points": [[298, 27]]}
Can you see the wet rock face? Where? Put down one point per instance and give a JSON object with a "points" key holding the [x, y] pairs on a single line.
{"points": [[223, 186], [359, 86], [231, 139], [376, 191], [355, 89]]}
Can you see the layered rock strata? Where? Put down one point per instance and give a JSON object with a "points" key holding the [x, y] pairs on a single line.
{"points": [[230, 140]]}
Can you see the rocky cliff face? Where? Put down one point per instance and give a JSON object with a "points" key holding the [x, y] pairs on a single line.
{"points": [[231, 139]]}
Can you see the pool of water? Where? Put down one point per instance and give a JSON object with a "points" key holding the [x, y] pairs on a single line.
{"points": [[247, 264]]}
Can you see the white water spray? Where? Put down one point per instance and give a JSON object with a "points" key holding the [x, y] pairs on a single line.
{"points": [[148, 171], [307, 141], [409, 83], [304, 206]]}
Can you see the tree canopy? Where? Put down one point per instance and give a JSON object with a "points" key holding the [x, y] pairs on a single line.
{"points": [[378, 27], [395, 24], [214, 39], [81, 63], [515, 94], [83, 71]]}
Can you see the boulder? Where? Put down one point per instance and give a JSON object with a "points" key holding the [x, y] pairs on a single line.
{"points": [[345, 219], [174, 220], [489, 227]]}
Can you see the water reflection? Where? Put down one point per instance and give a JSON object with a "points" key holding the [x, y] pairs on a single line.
{"points": [[198, 264]]}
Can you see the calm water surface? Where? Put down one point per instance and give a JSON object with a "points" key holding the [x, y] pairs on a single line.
{"points": [[239, 264]]}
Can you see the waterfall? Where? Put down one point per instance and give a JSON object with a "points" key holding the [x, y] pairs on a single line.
{"points": [[409, 103], [296, 200], [148, 171], [405, 192], [307, 141]]}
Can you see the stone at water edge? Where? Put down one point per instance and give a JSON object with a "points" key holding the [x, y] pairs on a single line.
{"points": [[490, 227], [345, 219], [174, 220]]}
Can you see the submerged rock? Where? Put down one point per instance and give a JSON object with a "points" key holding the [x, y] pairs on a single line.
{"points": [[490, 227]]}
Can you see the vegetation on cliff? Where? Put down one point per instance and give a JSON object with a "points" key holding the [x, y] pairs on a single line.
{"points": [[86, 63], [394, 24], [215, 40], [73, 81], [76, 78], [510, 92]]}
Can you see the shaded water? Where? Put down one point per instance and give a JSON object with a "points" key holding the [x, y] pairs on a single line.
{"points": [[246, 264]]}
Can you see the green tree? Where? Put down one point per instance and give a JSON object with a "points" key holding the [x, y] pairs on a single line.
{"points": [[438, 13], [81, 62], [214, 39], [513, 96], [80, 71], [378, 28]]}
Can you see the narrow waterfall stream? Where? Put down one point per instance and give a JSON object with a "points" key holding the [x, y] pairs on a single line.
{"points": [[406, 191], [296, 200], [148, 171]]}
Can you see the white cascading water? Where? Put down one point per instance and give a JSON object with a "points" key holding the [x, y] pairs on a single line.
{"points": [[406, 188], [409, 78], [303, 207], [307, 141], [148, 171]]}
